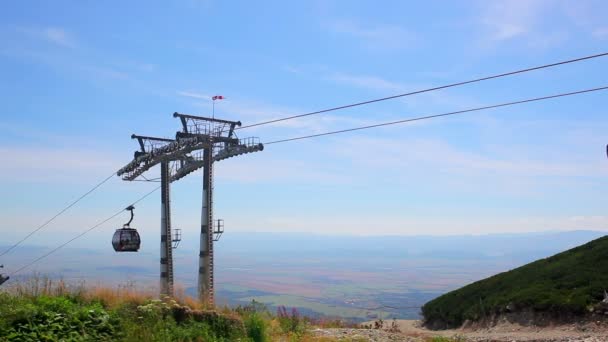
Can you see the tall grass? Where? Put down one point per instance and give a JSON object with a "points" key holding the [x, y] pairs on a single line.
{"points": [[41, 308], [42, 285]]}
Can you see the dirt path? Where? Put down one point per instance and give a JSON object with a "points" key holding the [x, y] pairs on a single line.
{"points": [[410, 330]]}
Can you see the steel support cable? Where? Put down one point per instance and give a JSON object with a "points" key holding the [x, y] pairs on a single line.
{"points": [[510, 73], [58, 214], [81, 234], [440, 115]]}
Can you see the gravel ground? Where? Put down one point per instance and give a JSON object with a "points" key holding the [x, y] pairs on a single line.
{"points": [[411, 331], [364, 335]]}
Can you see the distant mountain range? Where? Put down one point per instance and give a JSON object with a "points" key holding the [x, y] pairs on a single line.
{"points": [[328, 274], [524, 246]]}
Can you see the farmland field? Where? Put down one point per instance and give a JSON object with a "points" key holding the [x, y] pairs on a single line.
{"points": [[332, 276]]}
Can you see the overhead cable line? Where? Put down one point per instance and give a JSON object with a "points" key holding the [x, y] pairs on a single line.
{"points": [[344, 130], [440, 115], [58, 214], [81, 234], [510, 73]]}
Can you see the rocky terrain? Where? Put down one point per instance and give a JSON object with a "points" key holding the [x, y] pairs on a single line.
{"points": [[410, 330]]}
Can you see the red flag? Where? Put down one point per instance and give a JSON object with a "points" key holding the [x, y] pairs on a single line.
{"points": [[217, 97]]}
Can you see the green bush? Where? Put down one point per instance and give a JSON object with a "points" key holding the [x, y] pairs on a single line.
{"points": [[256, 327], [161, 321], [64, 318], [291, 322], [53, 319], [448, 339]]}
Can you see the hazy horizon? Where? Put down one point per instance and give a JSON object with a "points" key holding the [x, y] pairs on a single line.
{"points": [[333, 275]]}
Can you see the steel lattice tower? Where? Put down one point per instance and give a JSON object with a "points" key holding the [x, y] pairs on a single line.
{"points": [[201, 142]]}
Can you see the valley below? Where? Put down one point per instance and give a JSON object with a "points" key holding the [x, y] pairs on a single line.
{"points": [[348, 277]]}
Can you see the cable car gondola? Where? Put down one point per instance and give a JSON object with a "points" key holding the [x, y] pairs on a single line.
{"points": [[126, 239], [3, 279]]}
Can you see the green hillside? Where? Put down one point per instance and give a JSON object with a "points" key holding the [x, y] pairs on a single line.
{"points": [[566, 284]]}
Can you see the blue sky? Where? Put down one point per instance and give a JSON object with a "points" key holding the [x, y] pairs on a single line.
{"points": [[78, 78]]}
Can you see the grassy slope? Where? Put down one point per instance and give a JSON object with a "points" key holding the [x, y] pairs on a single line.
{"points": [[47, 310], [76, 318], [565, 283]]}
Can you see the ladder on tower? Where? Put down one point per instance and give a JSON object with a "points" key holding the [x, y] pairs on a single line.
{"points": [[201, 142], [168, 246], [210, 283]]}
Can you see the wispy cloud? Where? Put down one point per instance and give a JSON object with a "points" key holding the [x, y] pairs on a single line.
{"points": [[408, 223], [55, 35], [442, 100], [32, 43], [272, 170], [587, 15], [250, 112], [376, 36], [292, 69], [526, 22], [367, 82], [601, 33], [509, 19], [42, 164], [148, 67], [458, 160], [471, 171], [541, 24], [58, 36], [105, 72], [194, 95]]}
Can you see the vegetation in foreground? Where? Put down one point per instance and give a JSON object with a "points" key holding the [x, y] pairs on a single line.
{"points": [[46, 310], [567, 284]]}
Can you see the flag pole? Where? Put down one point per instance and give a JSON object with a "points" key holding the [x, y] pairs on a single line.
{"points": [[213, 98]]}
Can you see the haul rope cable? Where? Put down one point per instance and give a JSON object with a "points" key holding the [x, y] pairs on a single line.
{"points": [[545, 66], [510, 73], [81, 234], [343, 131], [58, 214], [439, 115]]}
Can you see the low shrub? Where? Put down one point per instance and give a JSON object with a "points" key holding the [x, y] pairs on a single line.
{"points": [[256, 327], [46, 310], [54, 319], [63, 318], [291, 322]]}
